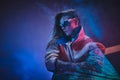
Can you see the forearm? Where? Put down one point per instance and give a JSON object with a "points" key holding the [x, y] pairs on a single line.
{"points": [[87, 66], [52, 53], [63, 66], [50, 60], [54, 64]]}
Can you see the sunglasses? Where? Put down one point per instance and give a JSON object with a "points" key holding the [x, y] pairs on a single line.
{"points": [[67, 22]]}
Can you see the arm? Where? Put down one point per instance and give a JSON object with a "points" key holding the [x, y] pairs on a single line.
{"points": [[52, 61], [94, 59], [51, 56]]}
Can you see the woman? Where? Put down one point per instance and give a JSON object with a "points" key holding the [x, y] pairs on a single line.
{"points": [[72, 55]]}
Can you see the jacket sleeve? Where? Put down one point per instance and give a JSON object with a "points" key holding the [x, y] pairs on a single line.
{"points": [[51, 56], [94, 59], [52, 61]]}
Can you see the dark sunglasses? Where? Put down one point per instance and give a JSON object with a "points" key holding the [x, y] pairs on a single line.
{"points": [[65, 23]]}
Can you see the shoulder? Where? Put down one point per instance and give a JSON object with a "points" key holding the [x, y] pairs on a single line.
{"points": [[101, 46], [52, 42], [94, 45], [87, 39]]}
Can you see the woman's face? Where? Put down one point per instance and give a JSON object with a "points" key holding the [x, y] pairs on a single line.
{"points": [[68, 24]]}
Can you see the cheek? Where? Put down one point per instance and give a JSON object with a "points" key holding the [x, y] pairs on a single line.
{"points": [[73, 25]]}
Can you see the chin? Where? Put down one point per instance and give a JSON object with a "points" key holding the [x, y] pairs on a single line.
{"points": [[68, 34]]}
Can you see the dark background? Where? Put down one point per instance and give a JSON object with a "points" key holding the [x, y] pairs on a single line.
{"points": [[26, 26]]}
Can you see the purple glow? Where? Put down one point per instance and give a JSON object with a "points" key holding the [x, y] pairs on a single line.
{"points": [[26, 28]]}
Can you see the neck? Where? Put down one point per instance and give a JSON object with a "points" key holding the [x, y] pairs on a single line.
{"points": [[74, 34]]}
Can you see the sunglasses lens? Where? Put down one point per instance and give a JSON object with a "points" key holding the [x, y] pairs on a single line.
{"points": [[66, 23]]}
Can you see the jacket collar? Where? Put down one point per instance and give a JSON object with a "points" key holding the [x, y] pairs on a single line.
{"points": [[81, 35]]}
